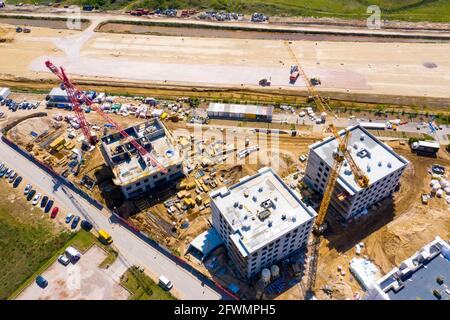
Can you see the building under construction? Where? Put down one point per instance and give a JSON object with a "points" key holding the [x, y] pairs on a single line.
{"points": [[261, 221], [377, 160], [133, 172], [423, 276]]}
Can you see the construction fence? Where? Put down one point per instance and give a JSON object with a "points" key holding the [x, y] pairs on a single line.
{"points": [[178, 260]]}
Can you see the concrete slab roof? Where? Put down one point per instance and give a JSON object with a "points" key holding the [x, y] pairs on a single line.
{"points": [[134, 167], [372, 156], [260, 209]]}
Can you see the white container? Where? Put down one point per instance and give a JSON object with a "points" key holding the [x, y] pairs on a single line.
{"points": [[265, 275], [4, 93], [275, 271], [440, 193]]}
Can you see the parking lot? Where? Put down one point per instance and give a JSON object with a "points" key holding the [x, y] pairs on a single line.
{"points": [[83, 280]]}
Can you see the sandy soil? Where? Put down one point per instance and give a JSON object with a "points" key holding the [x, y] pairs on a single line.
{"points": [[391, 234], [383, 68]]}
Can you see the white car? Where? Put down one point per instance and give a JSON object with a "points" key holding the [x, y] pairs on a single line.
{"points": [[63, 260], [27, 189], [36, 199]]}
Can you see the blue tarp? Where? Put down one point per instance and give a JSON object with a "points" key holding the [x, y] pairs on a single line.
{"points": [[233, 288]]}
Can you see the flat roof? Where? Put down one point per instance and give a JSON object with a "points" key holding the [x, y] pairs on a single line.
{"points": [[260, 208], [421, 283], [240, 108], [57, 91], [128, 164], [431, 144], [372, 156]]}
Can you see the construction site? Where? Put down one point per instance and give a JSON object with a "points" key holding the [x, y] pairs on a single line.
{"points": [[180, 168]]}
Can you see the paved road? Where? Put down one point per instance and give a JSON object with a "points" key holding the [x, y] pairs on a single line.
{"points": [[135, 250]]}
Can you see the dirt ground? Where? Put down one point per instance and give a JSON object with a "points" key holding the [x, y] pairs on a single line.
{"points": [[391, 233], [81, 281], [381, 68]]}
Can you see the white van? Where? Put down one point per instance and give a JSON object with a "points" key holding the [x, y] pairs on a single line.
{"points": [[165, 283], [73, 253]]}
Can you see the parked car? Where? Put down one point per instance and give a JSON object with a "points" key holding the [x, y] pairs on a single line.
{"points": [[27, 189], [73, 254], [75, 222], [54, 212], [69, 217], [3, 172], [48, 206], [36, 199], [31, 195], [17, 182], [41, 282], [86, 225], [165, 283], [44, 201], [8, 173], [1, 166], [63, 260], [12, 177]]}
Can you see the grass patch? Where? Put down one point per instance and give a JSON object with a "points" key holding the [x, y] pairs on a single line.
{"points": [[409, 10], [27, 239], [427, 137], [82, 241], [142, 286]]}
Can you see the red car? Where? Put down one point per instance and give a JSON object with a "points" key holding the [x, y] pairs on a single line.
{"points": [[54, 212]]}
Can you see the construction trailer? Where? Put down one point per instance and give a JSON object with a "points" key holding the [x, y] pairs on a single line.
{"points": [[132, 172], [430, 148], [424, 276], [377, 160], [240, 112], [261, 221], [58, 98]]}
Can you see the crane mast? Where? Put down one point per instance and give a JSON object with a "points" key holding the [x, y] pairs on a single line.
{"points": [[75, 95], [341, 155]]}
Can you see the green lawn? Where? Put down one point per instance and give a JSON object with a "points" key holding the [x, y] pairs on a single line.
{"points": [[410, 10], [27, 239], [142, 287]]}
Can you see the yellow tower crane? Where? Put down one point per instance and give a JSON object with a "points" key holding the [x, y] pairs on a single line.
{"points": [[340, 155]]}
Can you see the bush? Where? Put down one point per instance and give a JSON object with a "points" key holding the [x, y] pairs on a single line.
{"points": [[412, 140]]}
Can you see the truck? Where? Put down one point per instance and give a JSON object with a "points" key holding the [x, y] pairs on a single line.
{"points": [[265, 82], [425, 147], [72, 253], [294, 74], [88, 7], [140, 12], [104, 237], [165, 283]]}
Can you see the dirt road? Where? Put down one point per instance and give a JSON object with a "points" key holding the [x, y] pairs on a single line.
{"points": [[344, 67]]}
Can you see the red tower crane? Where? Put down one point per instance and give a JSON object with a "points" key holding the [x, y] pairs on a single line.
{"points": [[75, 95]]}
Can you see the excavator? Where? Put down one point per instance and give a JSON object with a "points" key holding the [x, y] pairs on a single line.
{"points": [[340, 155]]}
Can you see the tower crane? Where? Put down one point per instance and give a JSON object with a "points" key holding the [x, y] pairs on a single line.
{"points": [[75, 96], [341, 155]]}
